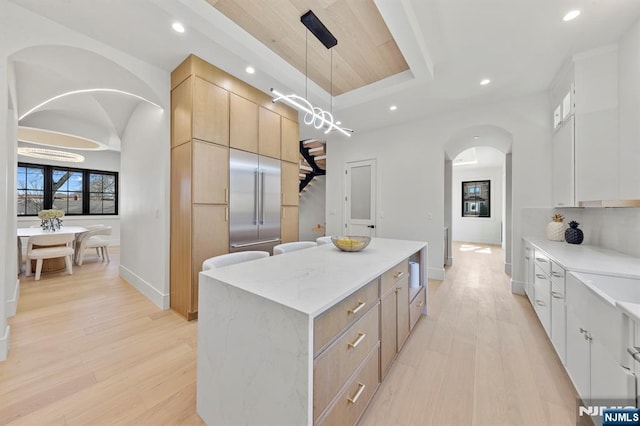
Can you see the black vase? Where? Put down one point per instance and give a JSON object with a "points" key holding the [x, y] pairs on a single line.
{"points": [[573, 235]]}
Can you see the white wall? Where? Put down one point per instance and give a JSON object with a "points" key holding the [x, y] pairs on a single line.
{"points": [[485, 230], [312, 209], [411, 170], [144, 203]]}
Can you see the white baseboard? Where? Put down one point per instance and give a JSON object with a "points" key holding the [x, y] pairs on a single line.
{"points": [[151, 293], [435, 273], [517, 287], [4, 345], [507, 268], [12, 304]]}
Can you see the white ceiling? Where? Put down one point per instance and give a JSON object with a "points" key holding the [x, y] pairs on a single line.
{"points": [[484, 157], [450, 45]]}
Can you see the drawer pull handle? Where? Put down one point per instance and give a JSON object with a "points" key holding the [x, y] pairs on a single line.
{"points": [[540, 303], [355, 397], [556, 295], [420, 304], [398, 275], [557, 274], [582, 330], [588, 337], [539, 259], [359, 340], [357, 308], [542, 277]]}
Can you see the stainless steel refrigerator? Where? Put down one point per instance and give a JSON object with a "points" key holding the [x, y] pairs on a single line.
{"points": [[254, 202]]}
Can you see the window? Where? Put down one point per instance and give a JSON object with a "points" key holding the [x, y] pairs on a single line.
{"points": [[74, 191], [476, 198], [30, 185]]}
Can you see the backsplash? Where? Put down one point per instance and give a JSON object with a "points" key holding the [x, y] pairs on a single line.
{"points": [[613, 228]]}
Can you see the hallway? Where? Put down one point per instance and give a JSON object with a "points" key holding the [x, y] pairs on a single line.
{"points": [[480, 357]]}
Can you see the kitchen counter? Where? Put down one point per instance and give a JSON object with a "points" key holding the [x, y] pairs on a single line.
{"points": [[589, 259], [256, 323]]}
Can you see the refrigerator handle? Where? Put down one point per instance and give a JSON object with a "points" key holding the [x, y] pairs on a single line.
{"points": [[262, 197], [256, 182]]}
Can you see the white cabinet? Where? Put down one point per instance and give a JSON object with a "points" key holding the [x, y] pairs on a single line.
{"points": [[596, 125], [542, 289], [563, 165], [558, 311], [594, 338], [528, 272]]}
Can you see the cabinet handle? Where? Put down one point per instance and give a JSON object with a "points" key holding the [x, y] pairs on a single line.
{"points": [[226, 195], [556, 294], [420, 304], [355, 397], [527, 257], [540, 259], [357, 308], [398, 275], [582, 330], [588, 337], [359, 340], [226, 214], [540, 302], [542, 277], [557, 274]]}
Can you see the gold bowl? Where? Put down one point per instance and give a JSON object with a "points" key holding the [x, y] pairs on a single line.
{"points": [[350, 242]]}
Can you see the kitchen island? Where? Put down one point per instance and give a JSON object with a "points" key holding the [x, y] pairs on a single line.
{"points": [[305, 337]]}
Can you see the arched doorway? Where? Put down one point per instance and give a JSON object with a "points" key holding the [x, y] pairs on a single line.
{"points": [[478, 145]]}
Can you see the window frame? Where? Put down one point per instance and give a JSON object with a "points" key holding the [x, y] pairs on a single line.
{"points": [[86, 190], [474, 205]]}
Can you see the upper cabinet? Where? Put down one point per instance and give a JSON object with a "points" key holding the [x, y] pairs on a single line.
{"points": [[244, 124], [268, 133], [290, 145], [210, 112]]}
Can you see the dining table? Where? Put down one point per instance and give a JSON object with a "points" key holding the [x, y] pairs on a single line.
{"points": [[48, 264]]}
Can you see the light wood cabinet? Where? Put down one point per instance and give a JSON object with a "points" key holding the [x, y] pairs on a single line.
{"points": [[268, 133], [290, 183], [289, 224], [394, 320], [210, 112], [290, 150], [243, 133], [210, 173]]}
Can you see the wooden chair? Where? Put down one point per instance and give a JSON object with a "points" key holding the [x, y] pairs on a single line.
{"points": [[50, 246], [91, 240], [297, 245], [232, 258]]}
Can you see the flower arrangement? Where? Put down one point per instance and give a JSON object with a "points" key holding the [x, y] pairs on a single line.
{"points": [[51, 219]]}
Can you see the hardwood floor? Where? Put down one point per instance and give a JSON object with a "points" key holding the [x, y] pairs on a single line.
{"points": [[89, 349], [480, 357]]}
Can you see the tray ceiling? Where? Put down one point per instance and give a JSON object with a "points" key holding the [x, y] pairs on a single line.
{"points": [[366, 51]]}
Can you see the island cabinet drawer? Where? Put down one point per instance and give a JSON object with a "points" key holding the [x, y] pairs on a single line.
{"points": [[557, 272], [392, 276], [331, 323], [416, 307], [349, 405], [542, 260], [334, 366]]}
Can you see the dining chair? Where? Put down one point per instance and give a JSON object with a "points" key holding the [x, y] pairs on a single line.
{"points": [[91, 240], [50, 246], [323, 240], [289, 247], [232, 258]]}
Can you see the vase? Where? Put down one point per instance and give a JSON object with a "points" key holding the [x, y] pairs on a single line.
{"points": [[52, 224], [574, 235], [555, 231]]}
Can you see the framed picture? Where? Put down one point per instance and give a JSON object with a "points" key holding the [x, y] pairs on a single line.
{"points": [[476, 198]]}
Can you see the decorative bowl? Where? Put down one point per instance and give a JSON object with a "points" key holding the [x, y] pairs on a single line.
{"points": [[350, 242]]}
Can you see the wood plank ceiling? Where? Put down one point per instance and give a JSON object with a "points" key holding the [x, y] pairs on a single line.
{"points": [[366, 51]]}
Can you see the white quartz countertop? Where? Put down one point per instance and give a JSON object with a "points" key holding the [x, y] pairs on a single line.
{"points": [[589, 259], [312, 280]]}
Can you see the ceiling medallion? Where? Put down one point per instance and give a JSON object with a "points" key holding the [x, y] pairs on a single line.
{"points": [[50, 154], [314, 116]]}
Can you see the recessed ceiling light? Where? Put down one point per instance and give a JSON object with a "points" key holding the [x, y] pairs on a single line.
{"points": [[250, 70], [393, 108], [485, 82], [177, 27], [571, 15]]}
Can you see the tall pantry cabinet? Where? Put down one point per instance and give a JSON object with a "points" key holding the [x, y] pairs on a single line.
{"points": [[212, 111]]}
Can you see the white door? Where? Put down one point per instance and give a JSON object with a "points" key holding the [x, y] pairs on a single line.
{"points": [[360, 198]]}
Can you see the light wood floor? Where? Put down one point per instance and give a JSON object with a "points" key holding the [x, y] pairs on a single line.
{"points": [[89, 349]]}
